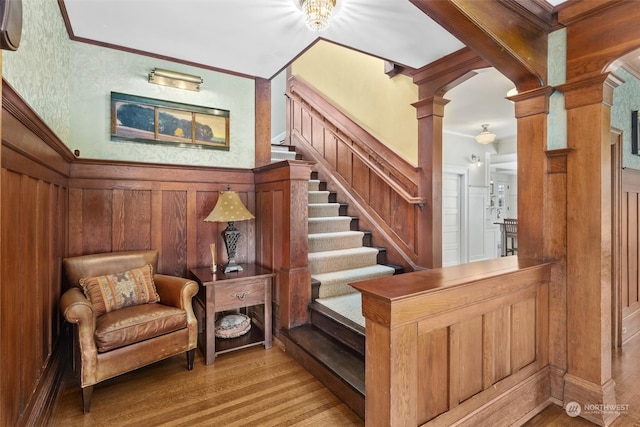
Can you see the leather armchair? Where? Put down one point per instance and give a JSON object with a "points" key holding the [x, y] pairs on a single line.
{"points": [[126, 350]]}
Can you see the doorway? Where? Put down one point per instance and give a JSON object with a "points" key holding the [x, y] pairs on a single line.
{"points": [[454, 215]]}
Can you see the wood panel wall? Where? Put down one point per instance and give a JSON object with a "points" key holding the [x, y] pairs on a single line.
{"points": [[630, 259], [381, 188], [465, 342], [34, 229], [117, 206]]}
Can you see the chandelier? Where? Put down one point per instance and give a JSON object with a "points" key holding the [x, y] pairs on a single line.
{"points": [[485, 137], [317, 13]]}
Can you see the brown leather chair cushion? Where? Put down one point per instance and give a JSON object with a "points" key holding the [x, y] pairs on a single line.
{"points": [[133, 324]]}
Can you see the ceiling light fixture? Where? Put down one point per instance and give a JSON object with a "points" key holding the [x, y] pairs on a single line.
{"points": [[175, 79], [317, 13], [485, 137]]}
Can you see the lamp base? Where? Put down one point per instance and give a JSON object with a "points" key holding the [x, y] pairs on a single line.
{"points": [[231, 266]]}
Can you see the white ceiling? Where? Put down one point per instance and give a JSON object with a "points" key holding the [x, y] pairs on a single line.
{"points": [[261, 37], [258, 37]]}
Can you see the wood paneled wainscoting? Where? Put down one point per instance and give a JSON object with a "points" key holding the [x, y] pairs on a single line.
{"points": [[35, 168], [117, 206], [465, 344], [381, 188], [630, 257]]}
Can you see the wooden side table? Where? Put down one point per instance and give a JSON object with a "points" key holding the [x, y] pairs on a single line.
{"points": [[223, 292]]}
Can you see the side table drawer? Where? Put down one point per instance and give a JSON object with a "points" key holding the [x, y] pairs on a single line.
{"points": [[230, 296]]}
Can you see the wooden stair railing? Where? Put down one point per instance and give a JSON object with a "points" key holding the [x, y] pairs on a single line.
{"points": [[382, 188]]}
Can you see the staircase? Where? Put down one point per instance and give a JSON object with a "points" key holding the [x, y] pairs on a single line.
{"points": [[337, 255], [332, 346]]}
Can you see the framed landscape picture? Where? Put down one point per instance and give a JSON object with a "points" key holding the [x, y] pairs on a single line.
{"points": [[134, 118]]}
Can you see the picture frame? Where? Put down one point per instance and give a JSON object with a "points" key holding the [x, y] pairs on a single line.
{"points": [[155, 121], [634, 133]]}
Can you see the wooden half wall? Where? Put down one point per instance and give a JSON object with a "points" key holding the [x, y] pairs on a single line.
{"points": [[464, 345], [282, 198]]}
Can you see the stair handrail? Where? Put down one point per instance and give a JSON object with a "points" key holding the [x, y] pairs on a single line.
{"points": [[325, 110]]}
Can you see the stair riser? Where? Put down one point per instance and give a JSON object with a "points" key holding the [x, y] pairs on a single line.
{"points": [[314, 185], [318, 197], [332, 327], [330, 226], [319, 265], [324, 210], [321, 245], [335, 289]]}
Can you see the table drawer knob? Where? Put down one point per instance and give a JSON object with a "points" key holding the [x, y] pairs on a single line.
{"points": [[241, 295]]}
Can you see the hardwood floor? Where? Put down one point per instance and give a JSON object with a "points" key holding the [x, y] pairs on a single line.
{"points": [[250, 387], [257, 387]]}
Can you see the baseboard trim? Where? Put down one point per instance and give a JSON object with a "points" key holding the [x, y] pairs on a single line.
{"points": [[589, 394], [512, 407]]}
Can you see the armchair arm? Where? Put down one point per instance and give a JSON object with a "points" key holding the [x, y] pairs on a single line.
{"points": [[175, 291], [178, 292], [76, 308]]}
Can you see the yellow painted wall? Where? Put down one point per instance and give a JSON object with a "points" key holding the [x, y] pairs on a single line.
{"points": [[357, 84]]}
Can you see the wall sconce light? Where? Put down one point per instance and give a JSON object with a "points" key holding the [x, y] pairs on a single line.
{"points": [[476, 159], [229, 209], [175, 79]]}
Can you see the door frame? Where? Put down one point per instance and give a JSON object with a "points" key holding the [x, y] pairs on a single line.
{"points": [[463, 172], [616, 238]]}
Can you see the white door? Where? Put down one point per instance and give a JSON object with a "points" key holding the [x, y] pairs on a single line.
{"points": [[453, 217]]}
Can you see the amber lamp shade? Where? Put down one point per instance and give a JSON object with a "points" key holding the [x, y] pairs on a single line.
{"points": [[230, 209]]}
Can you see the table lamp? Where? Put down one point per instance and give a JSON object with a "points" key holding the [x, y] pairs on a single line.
{"points": [[229, 209]]}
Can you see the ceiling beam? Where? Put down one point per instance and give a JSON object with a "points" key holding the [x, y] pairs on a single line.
{"points": [[509, 36]]}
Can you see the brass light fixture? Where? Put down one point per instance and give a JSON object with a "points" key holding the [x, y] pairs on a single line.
{"points": [[485, 137], [317, 13], [175, 79], [230, 209]]}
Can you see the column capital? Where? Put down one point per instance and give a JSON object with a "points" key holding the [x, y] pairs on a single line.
{"points": [[595, 89], [432, 106]]}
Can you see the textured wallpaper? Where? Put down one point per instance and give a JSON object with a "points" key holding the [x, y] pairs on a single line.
{"points": [[626, 98], [557, 75], [38, 69], [95, 72], [69, 85]]}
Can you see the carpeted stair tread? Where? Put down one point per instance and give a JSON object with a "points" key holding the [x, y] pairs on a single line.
{"points": [[277, 156], [342, 259], [337, 282], [314, 185], [319, 242], [329, 224], [348, 305]]}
